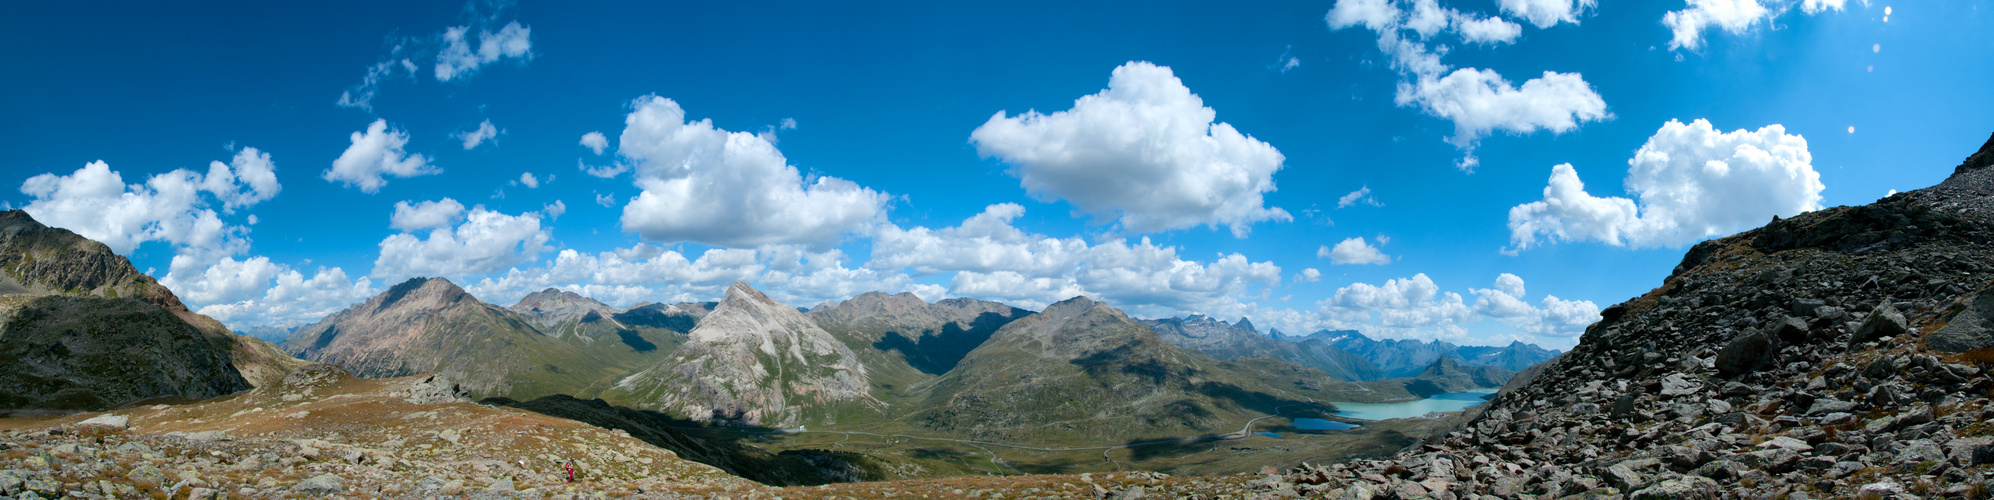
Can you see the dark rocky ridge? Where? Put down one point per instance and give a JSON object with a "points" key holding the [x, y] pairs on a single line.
{"points": [[81, 329], [1799, 359]]}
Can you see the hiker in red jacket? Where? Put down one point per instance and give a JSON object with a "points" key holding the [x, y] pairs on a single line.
{"points": [[570, 467]]}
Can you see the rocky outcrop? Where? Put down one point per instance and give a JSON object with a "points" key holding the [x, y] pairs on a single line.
{"points": [[1812, 356], [752, 362]]}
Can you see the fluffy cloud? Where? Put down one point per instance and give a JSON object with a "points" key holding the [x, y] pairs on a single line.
{"points": [[422, 215], [486, 241], [595, 141], [484, 132], [1428, 19], [708, 185], [1359, 196], [227, 280], [1548, 13], [527, 179], [1691, 181], [1404, 303], [626, 276], [294, 299], [458, 58], [797, 276], [375, 152], [1816, 6], [1145, 151], [95, 202], [1478, 101], [1735, 16], [247, 179], [1553, 317], [983, 243], [1416, 308], [1309, 275], [992, 259], [1353, 251], [790, 273]]}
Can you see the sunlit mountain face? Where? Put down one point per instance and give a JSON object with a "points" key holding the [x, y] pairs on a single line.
{"points": [[1398, 170]]}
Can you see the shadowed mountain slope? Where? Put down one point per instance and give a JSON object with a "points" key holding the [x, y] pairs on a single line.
{"points": [[80, 328]]}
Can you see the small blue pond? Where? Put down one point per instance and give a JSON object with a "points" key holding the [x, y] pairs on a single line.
{"points": [[1317, 424], [1268, 434]]}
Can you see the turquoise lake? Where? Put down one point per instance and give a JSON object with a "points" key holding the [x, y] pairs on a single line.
{"points": [[1452, 401]]}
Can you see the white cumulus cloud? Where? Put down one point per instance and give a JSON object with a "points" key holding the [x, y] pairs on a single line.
{"points": [[412, 217], [595, 142], [1553, 317], [1735, 16], [293, 299], [486, 241], [1548, 13], [95, 202], [472, 138], [376, 152], [1353, 251], [462, 55], [992, 259], [1478, 101], [1362, 195], [1145, 151], [1690, 182], [708, 185]]}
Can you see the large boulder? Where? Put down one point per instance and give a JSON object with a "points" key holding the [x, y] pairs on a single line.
{"points": [[1971, 328], [1885, 321], [1747, 353]]}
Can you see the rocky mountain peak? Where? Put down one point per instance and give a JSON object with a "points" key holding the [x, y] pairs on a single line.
{"points": [[752, 361], [741, 294], [424, 293], [554, 298], [1245, 324], [1079, 304]]}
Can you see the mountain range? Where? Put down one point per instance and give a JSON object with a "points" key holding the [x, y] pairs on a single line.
{"points": [[1344, 354]]}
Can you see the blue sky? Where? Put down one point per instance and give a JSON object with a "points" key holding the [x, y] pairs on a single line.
{"points": [[1169, 158]]}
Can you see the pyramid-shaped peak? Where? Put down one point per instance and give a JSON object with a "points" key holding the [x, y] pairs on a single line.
{"points": [[1246, 324], [441, 290], [740, 293]]}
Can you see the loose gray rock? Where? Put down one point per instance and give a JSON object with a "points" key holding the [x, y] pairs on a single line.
{"points": [[1972, 328], [108, 420], [322, 484], [1886, 321], [1682, 488], [1746, 354]]}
